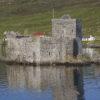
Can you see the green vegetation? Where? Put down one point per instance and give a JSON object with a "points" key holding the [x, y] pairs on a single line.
{"points": [[28, 16]]}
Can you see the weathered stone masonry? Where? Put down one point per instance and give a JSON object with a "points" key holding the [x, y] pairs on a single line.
{"points": [[64, 41]]}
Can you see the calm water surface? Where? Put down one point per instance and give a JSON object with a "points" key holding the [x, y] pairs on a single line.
{"points": [[49, 83]]}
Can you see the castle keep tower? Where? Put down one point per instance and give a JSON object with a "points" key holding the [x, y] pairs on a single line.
{"points": [[66, 27], [69, 30]]}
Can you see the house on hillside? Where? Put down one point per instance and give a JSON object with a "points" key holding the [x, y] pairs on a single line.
{"points": [[90, 38]]}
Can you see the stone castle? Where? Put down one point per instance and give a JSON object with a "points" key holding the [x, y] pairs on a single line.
{"points": [[64, 41]]}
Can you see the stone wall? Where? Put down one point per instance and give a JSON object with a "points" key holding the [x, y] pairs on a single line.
{"points": [[21, 49], [51, 50]]}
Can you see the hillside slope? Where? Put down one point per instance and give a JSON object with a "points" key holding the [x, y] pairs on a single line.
{"points": [[13, 7], [27, 16]]}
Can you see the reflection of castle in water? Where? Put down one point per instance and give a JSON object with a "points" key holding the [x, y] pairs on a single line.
{"points": [[66, 83]]}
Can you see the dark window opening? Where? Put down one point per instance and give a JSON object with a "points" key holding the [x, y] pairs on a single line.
{"points": [[72, 30], [49, 53], [59, 53]]}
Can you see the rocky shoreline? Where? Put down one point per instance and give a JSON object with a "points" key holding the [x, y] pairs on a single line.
{"points": [[84, 63]]}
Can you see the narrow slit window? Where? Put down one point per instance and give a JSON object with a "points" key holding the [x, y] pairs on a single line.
{"points": [[49, 53], [59, 53]]}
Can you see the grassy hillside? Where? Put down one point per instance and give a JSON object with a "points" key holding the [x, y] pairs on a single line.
{"points": [[27, 16]]}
